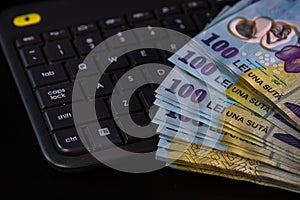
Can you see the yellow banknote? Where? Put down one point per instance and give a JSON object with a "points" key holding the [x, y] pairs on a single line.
{"points": [[181, 145], [290, 107], [210, 159], [255, 103], [241, 121], [214, 159], [180, 91], [232, 175]]}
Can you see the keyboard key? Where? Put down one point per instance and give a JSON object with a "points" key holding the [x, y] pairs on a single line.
{"points": [[56, 95], [68, 142], [96, 136], [182, 24], [203, 17], [87, 43], [47, 75], [84, 28], [56, 34], [152, 23], [172, 45], [143, 56], [32, 56], [147, 96], [29, 40], [167, 11], [123, 104], [140, 16], [114, 31], [219, 4], [73, 66], [62, 117], [103, 88], [102, 111], [112, 63], [134, 79], [195, 5], [58, 118], [121, 39], [113, 22], [140, 119], [117, 75], [149, 33], [156, 73], [59, 50]]}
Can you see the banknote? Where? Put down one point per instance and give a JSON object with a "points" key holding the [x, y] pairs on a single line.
{"points": [[239, 93], [170, 104], [230, 142], [261, 48], [181, 123], [223, 81], [216, 117], [202, 157], [188, 125], [203, 151], [295, 133], [227, 128], [216, 172], [236, 176], [258, 154], [206, 101], [197, 154], [290, 105], [231, 175]]}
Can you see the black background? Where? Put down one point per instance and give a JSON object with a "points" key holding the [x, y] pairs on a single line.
{"points": [[26, 173]]}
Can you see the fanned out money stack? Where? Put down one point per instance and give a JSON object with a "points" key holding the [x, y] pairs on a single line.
{"points": [[231, 105]]}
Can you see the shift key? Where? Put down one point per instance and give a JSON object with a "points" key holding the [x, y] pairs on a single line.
{"points": [[57, 95]]}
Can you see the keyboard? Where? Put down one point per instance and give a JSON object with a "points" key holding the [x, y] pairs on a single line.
{"points": [[45, 57]]}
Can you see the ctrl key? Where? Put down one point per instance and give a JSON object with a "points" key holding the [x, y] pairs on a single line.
{"points": [[68, 142]]}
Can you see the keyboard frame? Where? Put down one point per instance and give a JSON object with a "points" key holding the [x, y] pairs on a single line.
{"points": [[52, 12]]}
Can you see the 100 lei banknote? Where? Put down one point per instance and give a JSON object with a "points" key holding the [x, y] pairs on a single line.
{"points": [[208, 103], [179, 127], [261, 48], [208, 71], [200, 152], [236, 132], [225, 164]]}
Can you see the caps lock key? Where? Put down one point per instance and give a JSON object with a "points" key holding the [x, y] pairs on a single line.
{"points": [[57, 95]]}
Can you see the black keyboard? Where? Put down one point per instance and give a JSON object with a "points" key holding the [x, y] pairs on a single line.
{"points": [[45, 59]]}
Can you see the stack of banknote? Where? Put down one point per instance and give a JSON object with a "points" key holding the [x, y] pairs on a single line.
{"points": [[231, 105]]}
